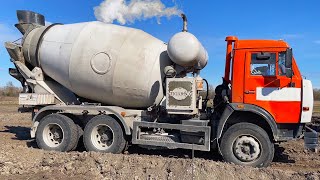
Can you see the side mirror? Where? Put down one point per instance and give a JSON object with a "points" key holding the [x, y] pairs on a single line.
{"points": [[289, 58], [289, 73], [288, 63]]}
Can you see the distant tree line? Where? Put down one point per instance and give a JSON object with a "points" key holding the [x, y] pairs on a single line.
{"points": [[10, 90], [316, 94], [210, 93]]}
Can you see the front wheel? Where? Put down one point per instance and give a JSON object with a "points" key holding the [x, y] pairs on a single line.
{"points": [[104, 134], [247, 144]]}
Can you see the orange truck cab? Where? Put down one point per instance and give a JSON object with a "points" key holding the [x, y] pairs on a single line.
{"points": [[263, 86], [263, 81]]}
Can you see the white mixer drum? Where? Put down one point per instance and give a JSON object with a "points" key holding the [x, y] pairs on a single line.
{"points": [[106, 63]]}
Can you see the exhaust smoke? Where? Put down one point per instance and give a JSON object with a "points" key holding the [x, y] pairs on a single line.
{"points": [[128, 12]]}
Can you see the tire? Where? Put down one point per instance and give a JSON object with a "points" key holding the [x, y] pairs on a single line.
{"points": [[80, 134], [104, 134], [247, 144], [63, 127]]}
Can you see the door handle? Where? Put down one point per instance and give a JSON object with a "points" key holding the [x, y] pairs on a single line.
{"points": [[250, 92]]}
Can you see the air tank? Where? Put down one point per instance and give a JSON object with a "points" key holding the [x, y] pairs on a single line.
{"points": [[185, 50], [107, 63]]}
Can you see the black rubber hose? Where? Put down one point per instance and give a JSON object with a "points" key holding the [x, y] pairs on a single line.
{"points": [[206, 99]]}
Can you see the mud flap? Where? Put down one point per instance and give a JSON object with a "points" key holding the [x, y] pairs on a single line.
{"points": [[311, 140], [33, 129]]}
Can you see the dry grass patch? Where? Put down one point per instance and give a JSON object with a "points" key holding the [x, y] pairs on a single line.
{"points": [[8, 100]]}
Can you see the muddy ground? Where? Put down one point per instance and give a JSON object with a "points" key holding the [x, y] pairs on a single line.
{"points": [[21, 159]]}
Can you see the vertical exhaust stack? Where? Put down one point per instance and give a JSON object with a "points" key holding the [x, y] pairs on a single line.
{"points": [[28, 20], [185, 23]]}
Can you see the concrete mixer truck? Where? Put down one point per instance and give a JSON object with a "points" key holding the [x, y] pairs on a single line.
{"points": [[115, 86]]}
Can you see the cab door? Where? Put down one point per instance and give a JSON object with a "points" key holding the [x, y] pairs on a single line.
{"points": [[267, 86]]}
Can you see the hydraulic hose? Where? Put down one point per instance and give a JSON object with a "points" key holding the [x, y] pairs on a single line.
{"points": [[206, 99]]}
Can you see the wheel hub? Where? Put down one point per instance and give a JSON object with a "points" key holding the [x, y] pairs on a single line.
{"points": [[106, 136], [246, 148], [102, 137], [56, 135], [53, 135]]}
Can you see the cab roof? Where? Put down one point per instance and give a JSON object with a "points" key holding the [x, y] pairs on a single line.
{"points": [[254, 44]]}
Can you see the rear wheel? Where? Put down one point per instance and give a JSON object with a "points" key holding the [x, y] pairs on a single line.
{"points": [[104, 134], [247, 144], [57, 132], [80, 134]]}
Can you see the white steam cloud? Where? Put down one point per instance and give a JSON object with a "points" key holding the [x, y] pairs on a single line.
{"points": [[127, 12]]}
